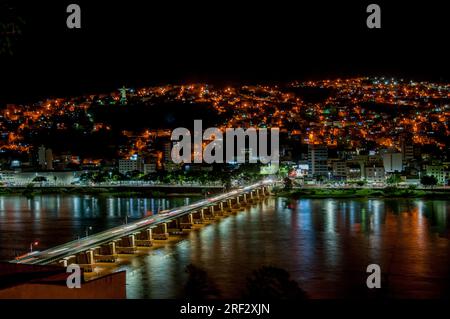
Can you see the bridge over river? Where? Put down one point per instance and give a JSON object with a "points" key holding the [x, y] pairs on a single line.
{"points": [[125, 239]]}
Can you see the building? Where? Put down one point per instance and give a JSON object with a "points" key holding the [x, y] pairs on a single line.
{"points": [[375, 174], [353, 172], [167, 152], [45, 158], [393, 162], [15, 178], [134, 163], [302, 169], [149, 168], [48, 159], [15, 164], [437, 171], [339, 169], [407, 152], [172, 167], [21, 281], [41, 156], [317, 160], [65, 161]]}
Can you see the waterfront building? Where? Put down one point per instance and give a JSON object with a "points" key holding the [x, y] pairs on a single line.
{"points": [[436, 170], [317, 160], [393, 162], [134, 163], [375, 174]]}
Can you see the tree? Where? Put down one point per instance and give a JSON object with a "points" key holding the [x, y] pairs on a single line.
{"points": [[199, 286], [428, 180], [320, 178], [86, 177], [113, 175], [28, 191], [394, 179], [40, 179], [134, 175], [361, 183], [99, 177], [248, 172], [270, 282], [283, 170], [227, 185], [287, 183]]}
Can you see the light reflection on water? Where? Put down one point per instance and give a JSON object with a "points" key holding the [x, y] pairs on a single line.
{"points": [[56, 219], [326, 244]]}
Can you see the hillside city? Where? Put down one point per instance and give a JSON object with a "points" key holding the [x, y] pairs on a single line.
{"points": [[359, 131]]}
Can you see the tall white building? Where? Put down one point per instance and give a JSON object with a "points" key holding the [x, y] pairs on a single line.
{"points": [[41, 156], [48, 159], [167, 152], [407, 150], [393, 162], [45, 158], [317, 160]]}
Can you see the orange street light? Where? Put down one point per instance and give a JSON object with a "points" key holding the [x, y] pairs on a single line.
{"points": [[35, 243]]}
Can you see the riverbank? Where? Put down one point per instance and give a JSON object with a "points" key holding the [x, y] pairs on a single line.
{"points": [[388, 192], [154, 192]]}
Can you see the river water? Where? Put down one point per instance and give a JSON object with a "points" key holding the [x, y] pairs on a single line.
{"points": [[325, 244], [56, 219]]}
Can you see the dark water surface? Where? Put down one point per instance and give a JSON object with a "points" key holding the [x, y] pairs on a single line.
{"points": [[56, 219], [325, 244]]}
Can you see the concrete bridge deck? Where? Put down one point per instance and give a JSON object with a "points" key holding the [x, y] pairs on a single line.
{"points": [[125, 238]]}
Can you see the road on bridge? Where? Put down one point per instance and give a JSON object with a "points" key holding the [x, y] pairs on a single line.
{"points": [[83, 244]]}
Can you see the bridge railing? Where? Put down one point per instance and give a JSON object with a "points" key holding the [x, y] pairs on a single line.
{"points": [[135, 226]]}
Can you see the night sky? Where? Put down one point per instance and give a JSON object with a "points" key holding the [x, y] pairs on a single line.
{"points": [[136, 44]]}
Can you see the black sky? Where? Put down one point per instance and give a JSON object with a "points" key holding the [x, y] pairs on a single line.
{"points": [[139, 43]]}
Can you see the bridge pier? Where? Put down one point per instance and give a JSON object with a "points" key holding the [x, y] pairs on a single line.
{"points": [[160, 232], [209, 213], [66, 261], [85, 260], [252, 197], [229, 205], [106, 249], [186, 221], [198, 217], [173, 226], [126, 245], [260, 193], [245, 200], [237, 204], [264, 192], [144, 238], [106, 253], [219, 209], [225, 208]]}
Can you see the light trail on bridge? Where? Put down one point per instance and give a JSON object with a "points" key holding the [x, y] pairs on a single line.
{"points": [[77, 246]]}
